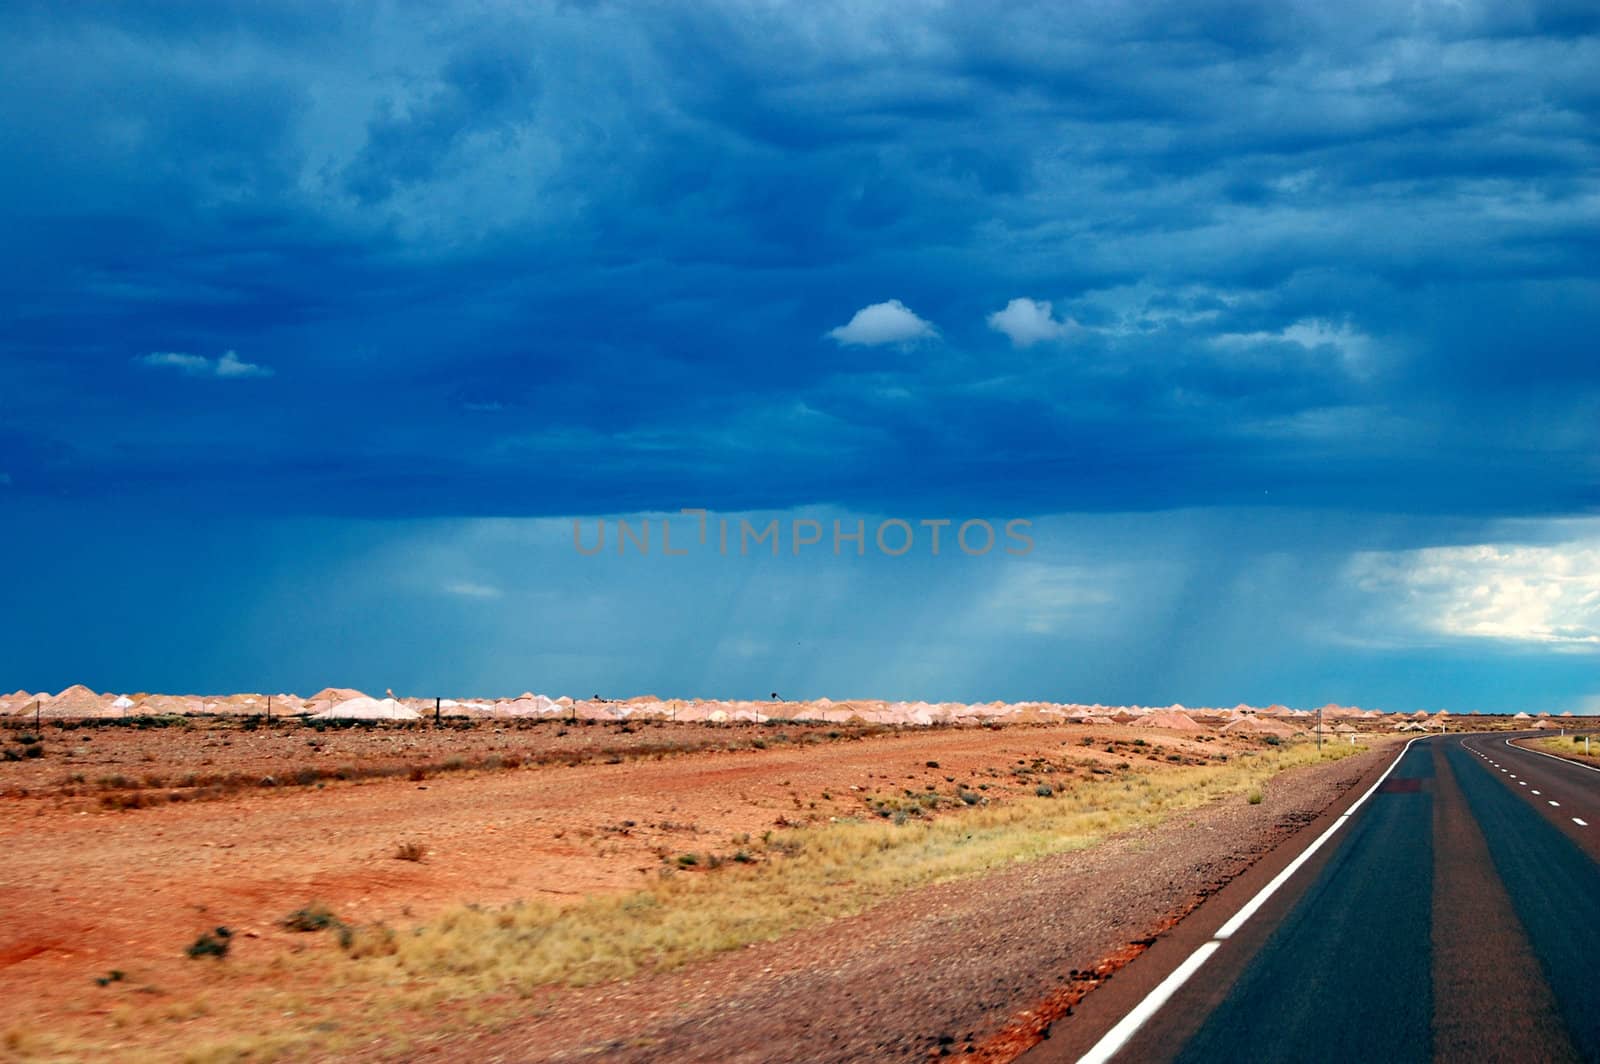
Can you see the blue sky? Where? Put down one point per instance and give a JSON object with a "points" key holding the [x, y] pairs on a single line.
{"points": [[1278, 321]]}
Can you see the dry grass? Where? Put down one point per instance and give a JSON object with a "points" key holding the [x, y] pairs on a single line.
{"points": [[804, 876], [1568, 745], [786, 881], [410, 850]]}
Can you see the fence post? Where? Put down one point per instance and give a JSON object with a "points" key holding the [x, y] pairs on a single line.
{"points": [[436, 702]]}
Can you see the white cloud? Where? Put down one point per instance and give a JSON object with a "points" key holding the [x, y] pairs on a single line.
{"points": [[1029, 321], [883, 323], [1534, 594], [193, 365], [229, 367], [1353, 348], [467, 589]]}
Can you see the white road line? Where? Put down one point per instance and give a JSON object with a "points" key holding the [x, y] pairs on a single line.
{"points": [[1580, 823], [1129, 1025], [1556, 804], [1553, 757], [1536, 792], [1524, 783], [1113, 1040]]}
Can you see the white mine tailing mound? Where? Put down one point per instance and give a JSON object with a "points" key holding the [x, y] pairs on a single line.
{"points": [[1260, 726], [1171, 720], [364, 708]]}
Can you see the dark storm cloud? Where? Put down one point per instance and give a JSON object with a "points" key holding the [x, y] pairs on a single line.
{"points": [[583, 259]]}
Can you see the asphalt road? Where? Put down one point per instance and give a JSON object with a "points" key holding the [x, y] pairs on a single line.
{"points": [[1454, 915]]}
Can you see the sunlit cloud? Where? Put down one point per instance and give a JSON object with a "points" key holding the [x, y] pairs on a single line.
{"points": [[1543, 595]]}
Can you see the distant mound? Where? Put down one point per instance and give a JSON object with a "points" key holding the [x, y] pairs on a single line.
{"points": [[1258, 726], [364, 708], [1170, 719]]}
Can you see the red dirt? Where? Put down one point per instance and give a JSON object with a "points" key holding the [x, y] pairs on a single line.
{"points": [[85, 890]]}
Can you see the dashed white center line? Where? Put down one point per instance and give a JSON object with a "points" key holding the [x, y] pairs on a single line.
{"points": [[1580, 823], [1556, 804], [1522, 783], [1535, 792]]}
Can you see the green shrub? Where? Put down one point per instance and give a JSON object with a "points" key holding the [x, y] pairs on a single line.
{"points": [[312, 918], [211, 944]]}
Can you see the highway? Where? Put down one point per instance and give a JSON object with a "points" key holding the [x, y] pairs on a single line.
{"points": [[1450, 911]]}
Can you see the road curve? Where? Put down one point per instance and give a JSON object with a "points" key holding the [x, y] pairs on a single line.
{"points": [[1455, 915]]}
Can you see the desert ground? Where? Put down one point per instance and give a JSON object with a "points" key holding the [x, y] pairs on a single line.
{"points": [[542, 887]]}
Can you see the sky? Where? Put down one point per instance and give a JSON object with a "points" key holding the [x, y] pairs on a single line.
{"points": [[322, 326]]}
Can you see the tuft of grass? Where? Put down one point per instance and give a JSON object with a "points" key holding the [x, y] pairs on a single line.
{"points": [[369, 940], [410, 850], [1254, 797]]}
